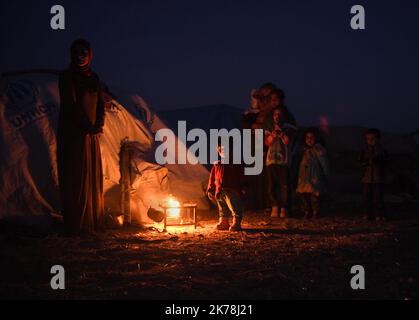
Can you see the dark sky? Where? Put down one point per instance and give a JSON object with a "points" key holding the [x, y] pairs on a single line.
{"points": [[179, 54]]}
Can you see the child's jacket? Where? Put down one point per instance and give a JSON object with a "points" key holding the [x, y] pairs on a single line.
{"points": [[372, 161], [226, 176], [279, 153]]}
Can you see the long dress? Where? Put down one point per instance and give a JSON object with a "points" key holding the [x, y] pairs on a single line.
{"points": [[80, 174]]}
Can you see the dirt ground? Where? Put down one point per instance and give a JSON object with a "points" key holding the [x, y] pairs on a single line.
{"points": [[298, 259]]}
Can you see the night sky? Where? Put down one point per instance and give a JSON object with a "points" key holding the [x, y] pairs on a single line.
{"points": [[179, 54]]}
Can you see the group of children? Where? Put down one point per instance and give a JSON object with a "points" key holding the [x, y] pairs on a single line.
{"points": [[289, 166]]}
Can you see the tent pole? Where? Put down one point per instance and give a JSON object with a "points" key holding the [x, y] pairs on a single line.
{"points": [[125, 182]]}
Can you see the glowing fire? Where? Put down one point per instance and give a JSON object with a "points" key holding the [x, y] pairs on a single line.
{"points": [[174, 207], [120, 220]]}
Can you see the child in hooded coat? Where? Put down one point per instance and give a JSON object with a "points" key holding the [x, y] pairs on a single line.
{"points": [[312, 173]]}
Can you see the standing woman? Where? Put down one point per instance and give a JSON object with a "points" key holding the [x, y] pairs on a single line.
{"points": [[81, 120]]}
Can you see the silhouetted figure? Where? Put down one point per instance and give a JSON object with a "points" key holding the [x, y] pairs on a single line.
{"points": [[81, 120], [372, 161], [277, 100], [254, 118]]}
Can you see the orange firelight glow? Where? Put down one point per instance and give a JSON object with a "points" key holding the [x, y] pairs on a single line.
{"points": [[120, 220], [173, 205]]}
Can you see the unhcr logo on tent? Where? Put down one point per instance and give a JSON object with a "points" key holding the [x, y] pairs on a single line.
{"points": [[20, 94], [22, 104]]}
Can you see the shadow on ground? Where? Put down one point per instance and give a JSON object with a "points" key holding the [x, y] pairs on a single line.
{"points": [[269, 260]]}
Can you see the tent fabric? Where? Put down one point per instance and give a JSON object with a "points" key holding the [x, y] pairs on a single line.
{"points": [[29, 105]]}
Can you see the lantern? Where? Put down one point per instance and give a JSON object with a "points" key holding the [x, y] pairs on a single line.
{"points": [[177, 214]]}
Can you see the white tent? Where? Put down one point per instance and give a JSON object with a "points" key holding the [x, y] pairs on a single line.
{"points": [[29, 107]]}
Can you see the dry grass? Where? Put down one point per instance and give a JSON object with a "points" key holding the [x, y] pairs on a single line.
{"points": [[302, 259]]}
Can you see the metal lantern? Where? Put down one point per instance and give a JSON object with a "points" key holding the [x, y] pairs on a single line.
{"points": [[177, 214]]}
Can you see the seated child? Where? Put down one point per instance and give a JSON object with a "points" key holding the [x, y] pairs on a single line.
{"points": [[312, 173], [225, 186], [372, 161]]}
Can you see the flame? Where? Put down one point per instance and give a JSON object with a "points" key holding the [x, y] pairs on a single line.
{"points": [[174, 207], [120, 220]]}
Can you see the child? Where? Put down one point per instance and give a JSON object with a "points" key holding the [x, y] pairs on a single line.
{"points": [[372, 161], [225, 186], [251, 115], [278, 138], [312, 173], [277, 101]]}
